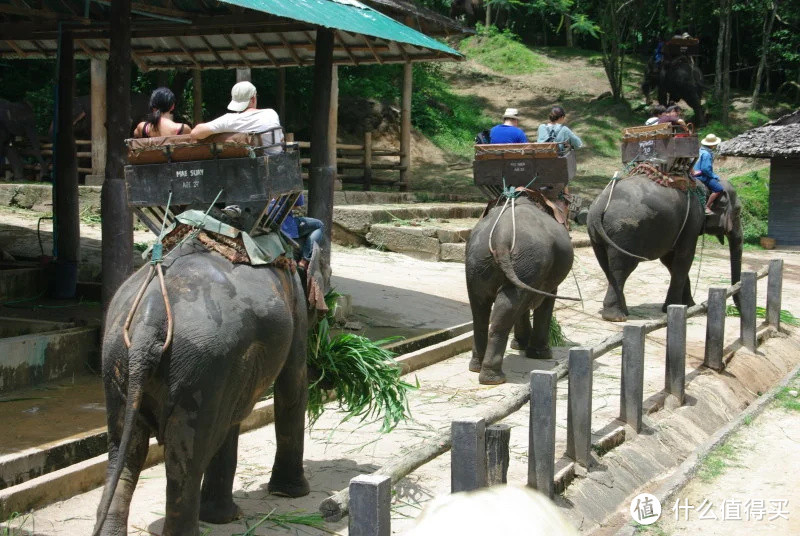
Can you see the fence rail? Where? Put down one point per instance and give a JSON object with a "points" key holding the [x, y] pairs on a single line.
{"points": [[468, 441]]}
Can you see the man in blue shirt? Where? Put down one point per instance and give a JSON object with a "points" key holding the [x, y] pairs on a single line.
{"points": [[509, 131], [704, 169], [304, 230]]}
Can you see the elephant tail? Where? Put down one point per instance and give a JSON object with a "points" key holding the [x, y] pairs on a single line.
{"points": [[607, 240], [503, 260], [143, 356]]}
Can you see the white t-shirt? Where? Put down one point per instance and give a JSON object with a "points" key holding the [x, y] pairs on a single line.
{"points": [[250, 121]]}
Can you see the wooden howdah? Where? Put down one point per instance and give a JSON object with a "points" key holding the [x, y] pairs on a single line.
{"points": [[517, 164], [662, 148]]}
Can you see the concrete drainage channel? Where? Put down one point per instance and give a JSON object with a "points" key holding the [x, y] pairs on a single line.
{"points": [[39, 476]]}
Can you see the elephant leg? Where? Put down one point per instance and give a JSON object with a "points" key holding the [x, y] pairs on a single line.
{"points": [[116, 523], [184, 463], [291, 398], [510, 303], [679, 291], [522, 332], [216, 495], [481, 309], [539, 344], [620, 267]]}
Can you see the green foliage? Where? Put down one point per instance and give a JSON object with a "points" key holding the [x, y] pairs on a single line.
{"points": [[501, 51], [717, 461], [753, 191], [557, 337], [15, 525], [297, 517], [365, 376], [786, 316], [786, 400]]}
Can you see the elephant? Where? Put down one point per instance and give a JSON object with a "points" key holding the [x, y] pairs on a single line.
{"points": [[18, 120], [646, 221], [513, 267], [238, 329], [677, 79]]}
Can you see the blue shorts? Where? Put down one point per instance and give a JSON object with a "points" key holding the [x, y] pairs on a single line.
{"points": [[713, 184]]}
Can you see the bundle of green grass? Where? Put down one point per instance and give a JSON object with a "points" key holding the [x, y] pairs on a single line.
{"points": [[364, 375]]}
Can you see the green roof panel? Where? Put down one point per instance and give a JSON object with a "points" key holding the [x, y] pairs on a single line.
{"points": [[348, 15]]}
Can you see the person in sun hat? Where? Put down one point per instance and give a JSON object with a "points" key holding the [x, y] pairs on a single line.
{"points": [[508, 131], [704, 169], [245, 116]]}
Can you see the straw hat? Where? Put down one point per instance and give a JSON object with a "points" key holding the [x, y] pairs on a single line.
{"points": [[511, 113], [710, 141]]}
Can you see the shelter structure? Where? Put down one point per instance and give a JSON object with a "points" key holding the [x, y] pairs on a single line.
{"points": [[778, 140], [198, 35]]}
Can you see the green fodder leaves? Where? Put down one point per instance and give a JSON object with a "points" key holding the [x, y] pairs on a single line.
{"points": [[501, 51], [283, 521], [786, 316], [556, 333], [365, 376]]}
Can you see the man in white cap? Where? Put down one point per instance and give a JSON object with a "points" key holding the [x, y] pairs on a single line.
{"points": [[508, 131], [704, 169], [245, 117]]}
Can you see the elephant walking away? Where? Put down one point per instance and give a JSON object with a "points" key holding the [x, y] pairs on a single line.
{"points": [[238, 329], [646, 221], [676, 80], [514, 264]]}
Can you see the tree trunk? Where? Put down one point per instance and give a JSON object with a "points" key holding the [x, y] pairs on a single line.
{"points": [[720, 51], [768, 22], [671, 14], [488, 14], [568, 30], [726, 67]]}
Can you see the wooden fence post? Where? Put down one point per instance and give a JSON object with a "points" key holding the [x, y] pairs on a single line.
{"points": [[468, 455], [542, 431], [579, 406], [747, 304], [367, 161], [774, 290], [497, 454], [632, 388], [370, 506], [675, 372], [715, 328]]}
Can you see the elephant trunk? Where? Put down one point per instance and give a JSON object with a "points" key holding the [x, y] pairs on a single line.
{"points": [[735, 241]]}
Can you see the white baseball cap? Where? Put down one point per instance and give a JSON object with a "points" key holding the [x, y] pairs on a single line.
{"points": [[241, 94], [511, 113]]}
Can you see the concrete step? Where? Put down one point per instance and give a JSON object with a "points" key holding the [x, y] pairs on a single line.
{"points": [[433, 240]]}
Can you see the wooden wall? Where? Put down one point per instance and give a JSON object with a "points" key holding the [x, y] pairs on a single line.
{"points": [[784, 201]]}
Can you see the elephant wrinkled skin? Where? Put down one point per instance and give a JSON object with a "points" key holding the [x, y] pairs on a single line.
{"points": [[645, 219], [503, 287], [237, 330]]}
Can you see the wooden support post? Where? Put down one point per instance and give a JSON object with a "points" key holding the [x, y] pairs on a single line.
{"points": [[747, 306], [370, 506], [243, 75], [675, 373], [322, 171], [65, 191], [774, 290], [498, 437], [197, 96], [468, 455], [367, 161], [333, 125], [542, 432], [405, 126], [632, 389], [99, 137], [117, 223], [715, 328], [579, 406], [281, 96]]}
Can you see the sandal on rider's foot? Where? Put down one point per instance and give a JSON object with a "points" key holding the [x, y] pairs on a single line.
{"points": [[709, 212]]}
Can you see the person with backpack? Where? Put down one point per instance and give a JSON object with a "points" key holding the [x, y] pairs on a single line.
{"points": [[508, 131], [555, 131]]}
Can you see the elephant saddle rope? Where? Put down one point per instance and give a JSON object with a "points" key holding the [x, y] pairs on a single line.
{"points": [[677, 182], [558, 209]]}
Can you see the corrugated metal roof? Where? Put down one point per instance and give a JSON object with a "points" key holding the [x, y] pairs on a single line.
{"points": [[347, 15]]}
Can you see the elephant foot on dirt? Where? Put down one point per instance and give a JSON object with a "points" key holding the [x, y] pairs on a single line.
{"points": [[219, 513], [491, 377], [539, 352], [285, 487], [613, 314], [475, 364]]}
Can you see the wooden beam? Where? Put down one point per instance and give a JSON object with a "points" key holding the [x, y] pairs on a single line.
{"points": [[229, 39], [41, 13], [213, 51], [99, 83], [281, 94], [89, 52], [344, 46], [197, 96], [18, 50], [291, 49], [405, 126], [265, 50], [371, 49], [117, 224], [187, 50]]}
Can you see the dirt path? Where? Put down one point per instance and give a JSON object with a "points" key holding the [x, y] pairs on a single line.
{"points": [[746, 486]]}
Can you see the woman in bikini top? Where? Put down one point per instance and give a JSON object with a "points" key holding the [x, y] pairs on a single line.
{"points": [[159, 121]]}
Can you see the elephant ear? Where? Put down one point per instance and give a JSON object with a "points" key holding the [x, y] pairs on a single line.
{"points": [[318, 277]]}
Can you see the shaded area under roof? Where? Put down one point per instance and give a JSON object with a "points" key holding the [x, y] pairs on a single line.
{"points": [[778, 138], [223, 35]]}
